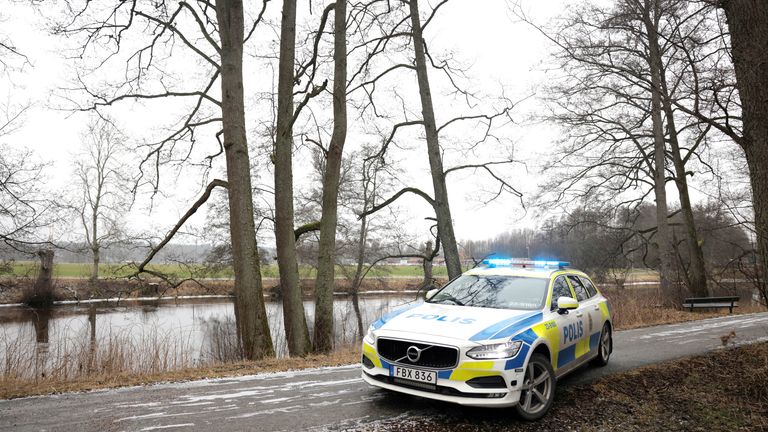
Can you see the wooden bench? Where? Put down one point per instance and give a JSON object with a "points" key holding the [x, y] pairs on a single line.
{"points": [[711, 302]]}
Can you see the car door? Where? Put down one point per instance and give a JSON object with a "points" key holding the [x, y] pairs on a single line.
{"points": [[586, 319], [595, 313], [568, 324]]}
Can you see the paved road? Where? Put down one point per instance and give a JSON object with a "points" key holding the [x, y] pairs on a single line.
{"points": [[324, 399]]}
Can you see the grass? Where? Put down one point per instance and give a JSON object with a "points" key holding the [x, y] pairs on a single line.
{"points": [[720, 391], [83, 270], [14, 387], [640, 307]]}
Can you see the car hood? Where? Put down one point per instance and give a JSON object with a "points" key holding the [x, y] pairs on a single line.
{"points": [[458, 322]]}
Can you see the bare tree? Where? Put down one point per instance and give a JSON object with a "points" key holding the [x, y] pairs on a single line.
{"points": [[440, 202], [103, 186], [622, 94], [748, 29], [24, 208], [326, 262], [215, 35]]}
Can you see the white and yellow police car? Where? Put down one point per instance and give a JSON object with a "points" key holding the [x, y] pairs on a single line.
{"points": [[497, 336]]}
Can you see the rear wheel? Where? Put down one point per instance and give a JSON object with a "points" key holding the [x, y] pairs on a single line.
{"points": [[605, 348], [538, 389]]}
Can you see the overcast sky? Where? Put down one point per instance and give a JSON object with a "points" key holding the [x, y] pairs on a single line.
{"points": [[502, 53]]}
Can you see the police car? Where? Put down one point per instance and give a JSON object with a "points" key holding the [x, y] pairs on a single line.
{"points": [[497, 336]]}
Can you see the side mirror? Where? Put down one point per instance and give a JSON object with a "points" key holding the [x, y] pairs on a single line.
{"points": [[564, 304], [431, 293]]}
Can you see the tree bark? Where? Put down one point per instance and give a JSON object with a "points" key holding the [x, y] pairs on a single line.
{"points": [[327, 247], [441, 205], [42, 291], [696, 275], [427, 265], [95, 230], [748, 28], [662, 231], [252, 324], [358, 279], [296, 331]]}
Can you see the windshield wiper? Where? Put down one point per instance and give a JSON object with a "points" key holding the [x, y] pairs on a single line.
{"points": [[452, 299]]}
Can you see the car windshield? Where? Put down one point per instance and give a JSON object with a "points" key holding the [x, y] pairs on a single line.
{"points": [[494, 291]]}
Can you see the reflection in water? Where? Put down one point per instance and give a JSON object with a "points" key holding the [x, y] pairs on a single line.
{"points": [[42, 320], [73, 339]]}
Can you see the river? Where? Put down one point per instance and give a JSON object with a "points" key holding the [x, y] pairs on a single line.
{"points": [[148, 336]]}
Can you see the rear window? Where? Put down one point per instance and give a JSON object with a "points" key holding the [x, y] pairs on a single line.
{"points": [[578, 288], [589, 286], [492, 291]]}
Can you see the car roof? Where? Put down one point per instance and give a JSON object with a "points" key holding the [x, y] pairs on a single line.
{"points": [[519, 271]]}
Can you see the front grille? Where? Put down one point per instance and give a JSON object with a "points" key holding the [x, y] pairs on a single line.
{"points": [[448, 391], [432, 356]]}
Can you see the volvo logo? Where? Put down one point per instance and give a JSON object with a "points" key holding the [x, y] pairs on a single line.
{"points": [[413, 353]]}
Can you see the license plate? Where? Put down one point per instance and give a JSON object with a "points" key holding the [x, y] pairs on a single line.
{"points": [[425, 376]]}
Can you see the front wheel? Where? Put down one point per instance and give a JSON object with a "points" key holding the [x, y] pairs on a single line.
{"points": [[538, 389], [605, 348]]}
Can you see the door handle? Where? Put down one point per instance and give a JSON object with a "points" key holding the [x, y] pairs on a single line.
{"points": [[579, 314], [597, 307]]}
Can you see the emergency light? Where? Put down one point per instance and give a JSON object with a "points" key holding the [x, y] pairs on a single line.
{"points": [[524, 263]]}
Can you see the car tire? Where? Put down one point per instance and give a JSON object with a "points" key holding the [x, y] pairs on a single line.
{"points": [[536, 399], [604, 348]]}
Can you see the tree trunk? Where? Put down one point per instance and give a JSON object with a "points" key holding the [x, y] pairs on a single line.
{"points": [[296, 332], [358, 279], [95, 237], [427, 264], [252, 325], [442, 207], [327, 248], [42, 291], [696, 276], [662, 231], [748, 27], [95, 266]]}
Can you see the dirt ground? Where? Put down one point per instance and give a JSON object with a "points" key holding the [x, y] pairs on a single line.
{"points": [[726, 390]]}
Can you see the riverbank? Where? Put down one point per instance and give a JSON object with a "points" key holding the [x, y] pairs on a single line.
{"points": [[81, 290], [15, 388], [119, 361], [720, 391]]}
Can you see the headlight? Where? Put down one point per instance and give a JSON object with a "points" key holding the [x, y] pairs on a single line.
{"points": [[495, 351], [370, 339]]}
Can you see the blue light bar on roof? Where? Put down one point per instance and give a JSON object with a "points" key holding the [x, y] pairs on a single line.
{"points": [[509, 262]]}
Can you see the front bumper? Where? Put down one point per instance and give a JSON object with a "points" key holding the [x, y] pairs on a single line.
{"points": [[452, 384]]}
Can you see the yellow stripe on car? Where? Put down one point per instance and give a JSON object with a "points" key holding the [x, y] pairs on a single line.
{"points": [[469, 370], [582, 347], [604, 310], [549, 332], [370, 352]]}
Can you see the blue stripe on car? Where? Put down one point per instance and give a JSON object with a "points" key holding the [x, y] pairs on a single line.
{"points": [[383, 320], [566, 355], [594, 340], [510, 326], [519, 360]]}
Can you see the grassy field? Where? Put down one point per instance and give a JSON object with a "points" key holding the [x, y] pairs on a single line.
{"points": [[81, 270]]}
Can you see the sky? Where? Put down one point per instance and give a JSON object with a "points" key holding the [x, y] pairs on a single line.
{"points": [[501, 53]]}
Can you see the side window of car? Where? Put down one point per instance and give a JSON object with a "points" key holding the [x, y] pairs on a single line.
{"points": [[589, 286], [559, 289], [578, 287]]}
